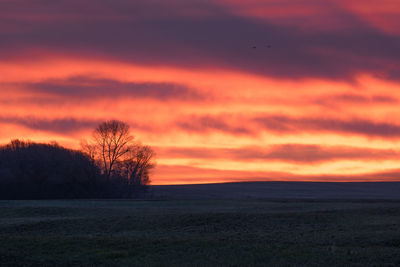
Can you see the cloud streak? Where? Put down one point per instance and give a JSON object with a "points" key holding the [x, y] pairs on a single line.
{"points": [[206, 36], [61, 125], [288, 125], [295, 153], [285, 124], [92, 88], [194, 175]]}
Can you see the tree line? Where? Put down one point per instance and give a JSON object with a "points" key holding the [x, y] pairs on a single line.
{"points": [[109, 165]]}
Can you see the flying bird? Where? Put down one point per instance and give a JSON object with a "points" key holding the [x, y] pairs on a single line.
{"points": [[267, 46]]}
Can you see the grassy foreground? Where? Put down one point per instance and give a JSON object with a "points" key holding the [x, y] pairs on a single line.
{"points": [[199, 233]]}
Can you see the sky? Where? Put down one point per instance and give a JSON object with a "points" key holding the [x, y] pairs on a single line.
{"points": [[223, 90]]}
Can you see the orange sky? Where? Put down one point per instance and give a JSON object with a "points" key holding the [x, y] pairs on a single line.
{"points": [[316, 100]]}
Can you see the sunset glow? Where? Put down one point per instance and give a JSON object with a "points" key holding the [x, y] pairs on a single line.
{"points": [[223, 90]]}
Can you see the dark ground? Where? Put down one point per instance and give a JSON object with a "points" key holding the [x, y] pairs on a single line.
{"points": [[203, 232], [280, 190]]}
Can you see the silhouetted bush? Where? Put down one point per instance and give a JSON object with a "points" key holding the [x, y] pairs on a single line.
{"points": [[47, 171]]}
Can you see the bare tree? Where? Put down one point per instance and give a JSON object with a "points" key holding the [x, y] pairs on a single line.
{"points": [[112, 141], [89, 149], [136, 168], [118, 155]]}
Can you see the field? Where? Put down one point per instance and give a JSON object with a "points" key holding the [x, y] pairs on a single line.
{"points": [[203, 232], [281, 190]]}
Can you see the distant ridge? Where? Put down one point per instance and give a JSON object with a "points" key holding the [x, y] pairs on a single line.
{"points": [[281, 190]]}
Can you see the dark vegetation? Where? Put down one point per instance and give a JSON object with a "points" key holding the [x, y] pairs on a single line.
{"points": [[114, 167], [199, 233], [34, 171]]}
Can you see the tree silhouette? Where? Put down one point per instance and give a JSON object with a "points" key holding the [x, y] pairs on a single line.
{"points": [[136, 167], [43, 171], [119, 156], [37, 171], [113, 141]]}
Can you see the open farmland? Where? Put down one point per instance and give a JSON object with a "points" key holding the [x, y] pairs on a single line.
{"points": [[199, 233]]}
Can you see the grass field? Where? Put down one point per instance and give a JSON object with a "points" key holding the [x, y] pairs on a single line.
{"points": [[199, 233]]}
